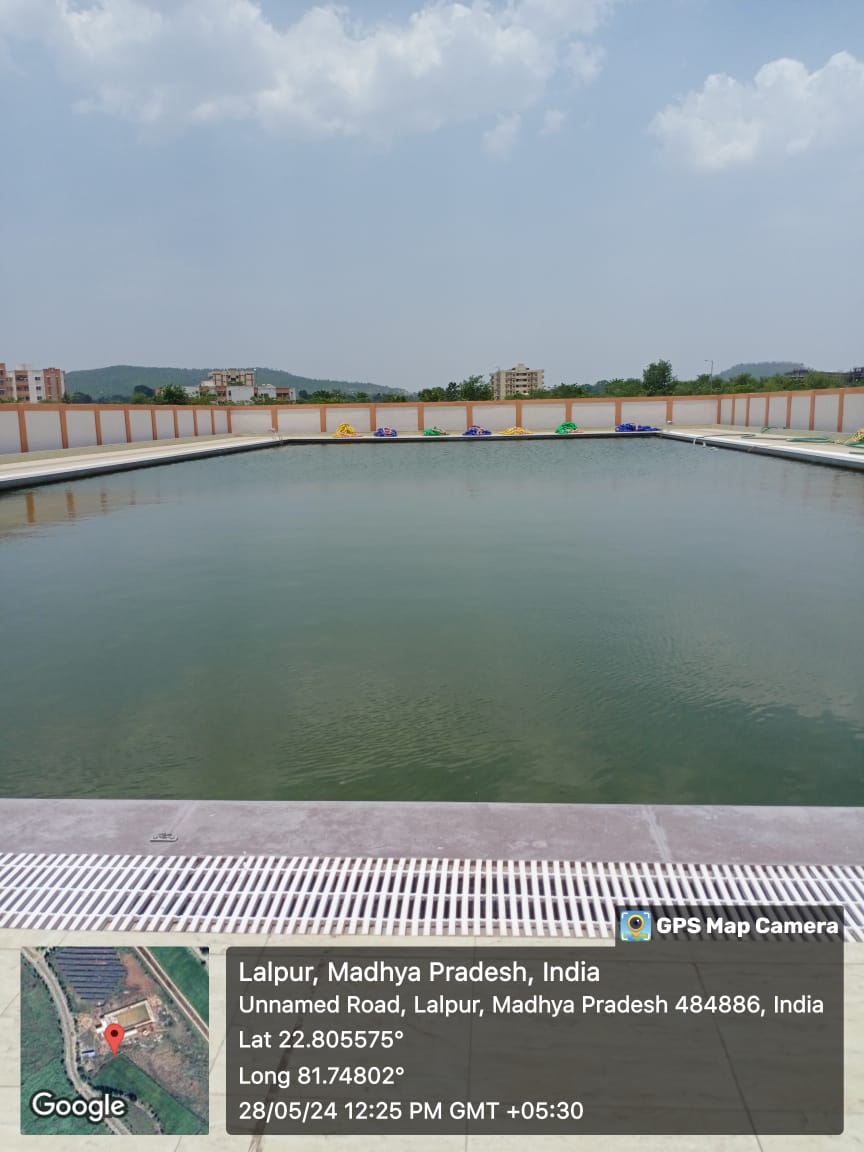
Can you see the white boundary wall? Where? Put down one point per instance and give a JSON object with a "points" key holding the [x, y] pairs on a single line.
{"points": [[46, 427]]}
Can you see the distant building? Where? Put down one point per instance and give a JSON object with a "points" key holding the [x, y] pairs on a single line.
{"points": [[224, 378], [518, 381], [239, 386], [28, 385], [854, 376]]}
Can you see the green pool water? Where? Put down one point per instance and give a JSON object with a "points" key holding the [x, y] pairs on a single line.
{"points": [[597, 621]]}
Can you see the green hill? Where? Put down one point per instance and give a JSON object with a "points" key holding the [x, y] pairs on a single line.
{"points": [[120, 380], [760, 370]]}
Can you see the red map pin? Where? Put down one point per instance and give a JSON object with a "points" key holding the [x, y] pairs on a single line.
{"points": [[114, 1034]]}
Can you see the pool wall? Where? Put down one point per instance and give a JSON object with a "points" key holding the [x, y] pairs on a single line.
{"points": [[47, 427]]}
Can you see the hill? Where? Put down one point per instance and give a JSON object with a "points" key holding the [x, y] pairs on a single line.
{"points": [[761, 370], [122, 379]]}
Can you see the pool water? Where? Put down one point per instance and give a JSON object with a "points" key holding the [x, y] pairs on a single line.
{"points": [[578, 621]]}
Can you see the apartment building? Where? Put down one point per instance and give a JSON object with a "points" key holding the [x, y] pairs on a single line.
{"points": [[518, 381], [28, 385]]}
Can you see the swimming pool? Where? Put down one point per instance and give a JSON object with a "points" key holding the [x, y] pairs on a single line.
{"points": [[611, 621]]}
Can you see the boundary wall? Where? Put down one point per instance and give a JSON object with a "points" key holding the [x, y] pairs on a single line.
{"points": [[49, 427]]}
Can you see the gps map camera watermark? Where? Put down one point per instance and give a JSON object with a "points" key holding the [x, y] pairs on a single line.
{"points": [[635, 926]]}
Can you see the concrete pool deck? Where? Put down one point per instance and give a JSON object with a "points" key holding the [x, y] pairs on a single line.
{"points": [[649, 833], [31, 469], [788, 445]]}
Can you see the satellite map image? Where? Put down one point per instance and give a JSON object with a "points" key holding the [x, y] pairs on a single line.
{"points": [[114, 1040]]}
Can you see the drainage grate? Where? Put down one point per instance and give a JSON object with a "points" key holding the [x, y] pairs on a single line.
{"points": [[403, 897]]}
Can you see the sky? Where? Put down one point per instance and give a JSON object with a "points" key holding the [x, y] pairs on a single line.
{"points": [[407, 195]]}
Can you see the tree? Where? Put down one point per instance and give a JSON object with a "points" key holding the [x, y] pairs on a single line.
{"points": [[629, 387], [658, 379], [475, 388], [432, 395], [820, 380], [703, 385], [172, 394], [567, 391], [143, 390], [361, 397]]}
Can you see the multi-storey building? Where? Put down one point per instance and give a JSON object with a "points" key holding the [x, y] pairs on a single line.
{"points": [[518, 381], [28, 385]]}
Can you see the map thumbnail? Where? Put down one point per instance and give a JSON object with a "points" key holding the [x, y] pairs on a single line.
{"points": [[114, 1041]]}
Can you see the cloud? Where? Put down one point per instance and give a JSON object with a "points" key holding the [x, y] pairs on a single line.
{"points": [[499, 141], [553, 121], [584, 61], [188, 62], [785, 111]]}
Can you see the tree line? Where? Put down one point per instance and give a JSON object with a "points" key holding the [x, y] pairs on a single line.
{"points": [[658, 379]]}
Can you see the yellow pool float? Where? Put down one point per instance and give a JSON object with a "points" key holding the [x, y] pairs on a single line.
{"points": [[858, 438], [517, 431], [344, 431]]}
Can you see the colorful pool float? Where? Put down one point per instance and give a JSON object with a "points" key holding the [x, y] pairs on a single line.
{"points": [[476, 430], [386, 432], [517, 431], [567, 428], [436, 431], [344, 431]]}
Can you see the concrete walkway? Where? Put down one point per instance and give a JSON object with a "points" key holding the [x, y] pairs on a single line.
{"points": [[27, 470], [659, 833], [782, 443]]}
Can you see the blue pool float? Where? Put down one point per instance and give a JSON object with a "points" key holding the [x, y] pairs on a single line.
{"points": [[476, 430], [386, 432], [636, 428]]}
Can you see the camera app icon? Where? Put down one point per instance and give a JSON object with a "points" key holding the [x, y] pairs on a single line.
{"points": [[635, 926]]}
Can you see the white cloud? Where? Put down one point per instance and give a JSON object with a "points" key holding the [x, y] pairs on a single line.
{"points": [[186, 62], [585, 61], [785, 111], [553, 121], [500, 140]]}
